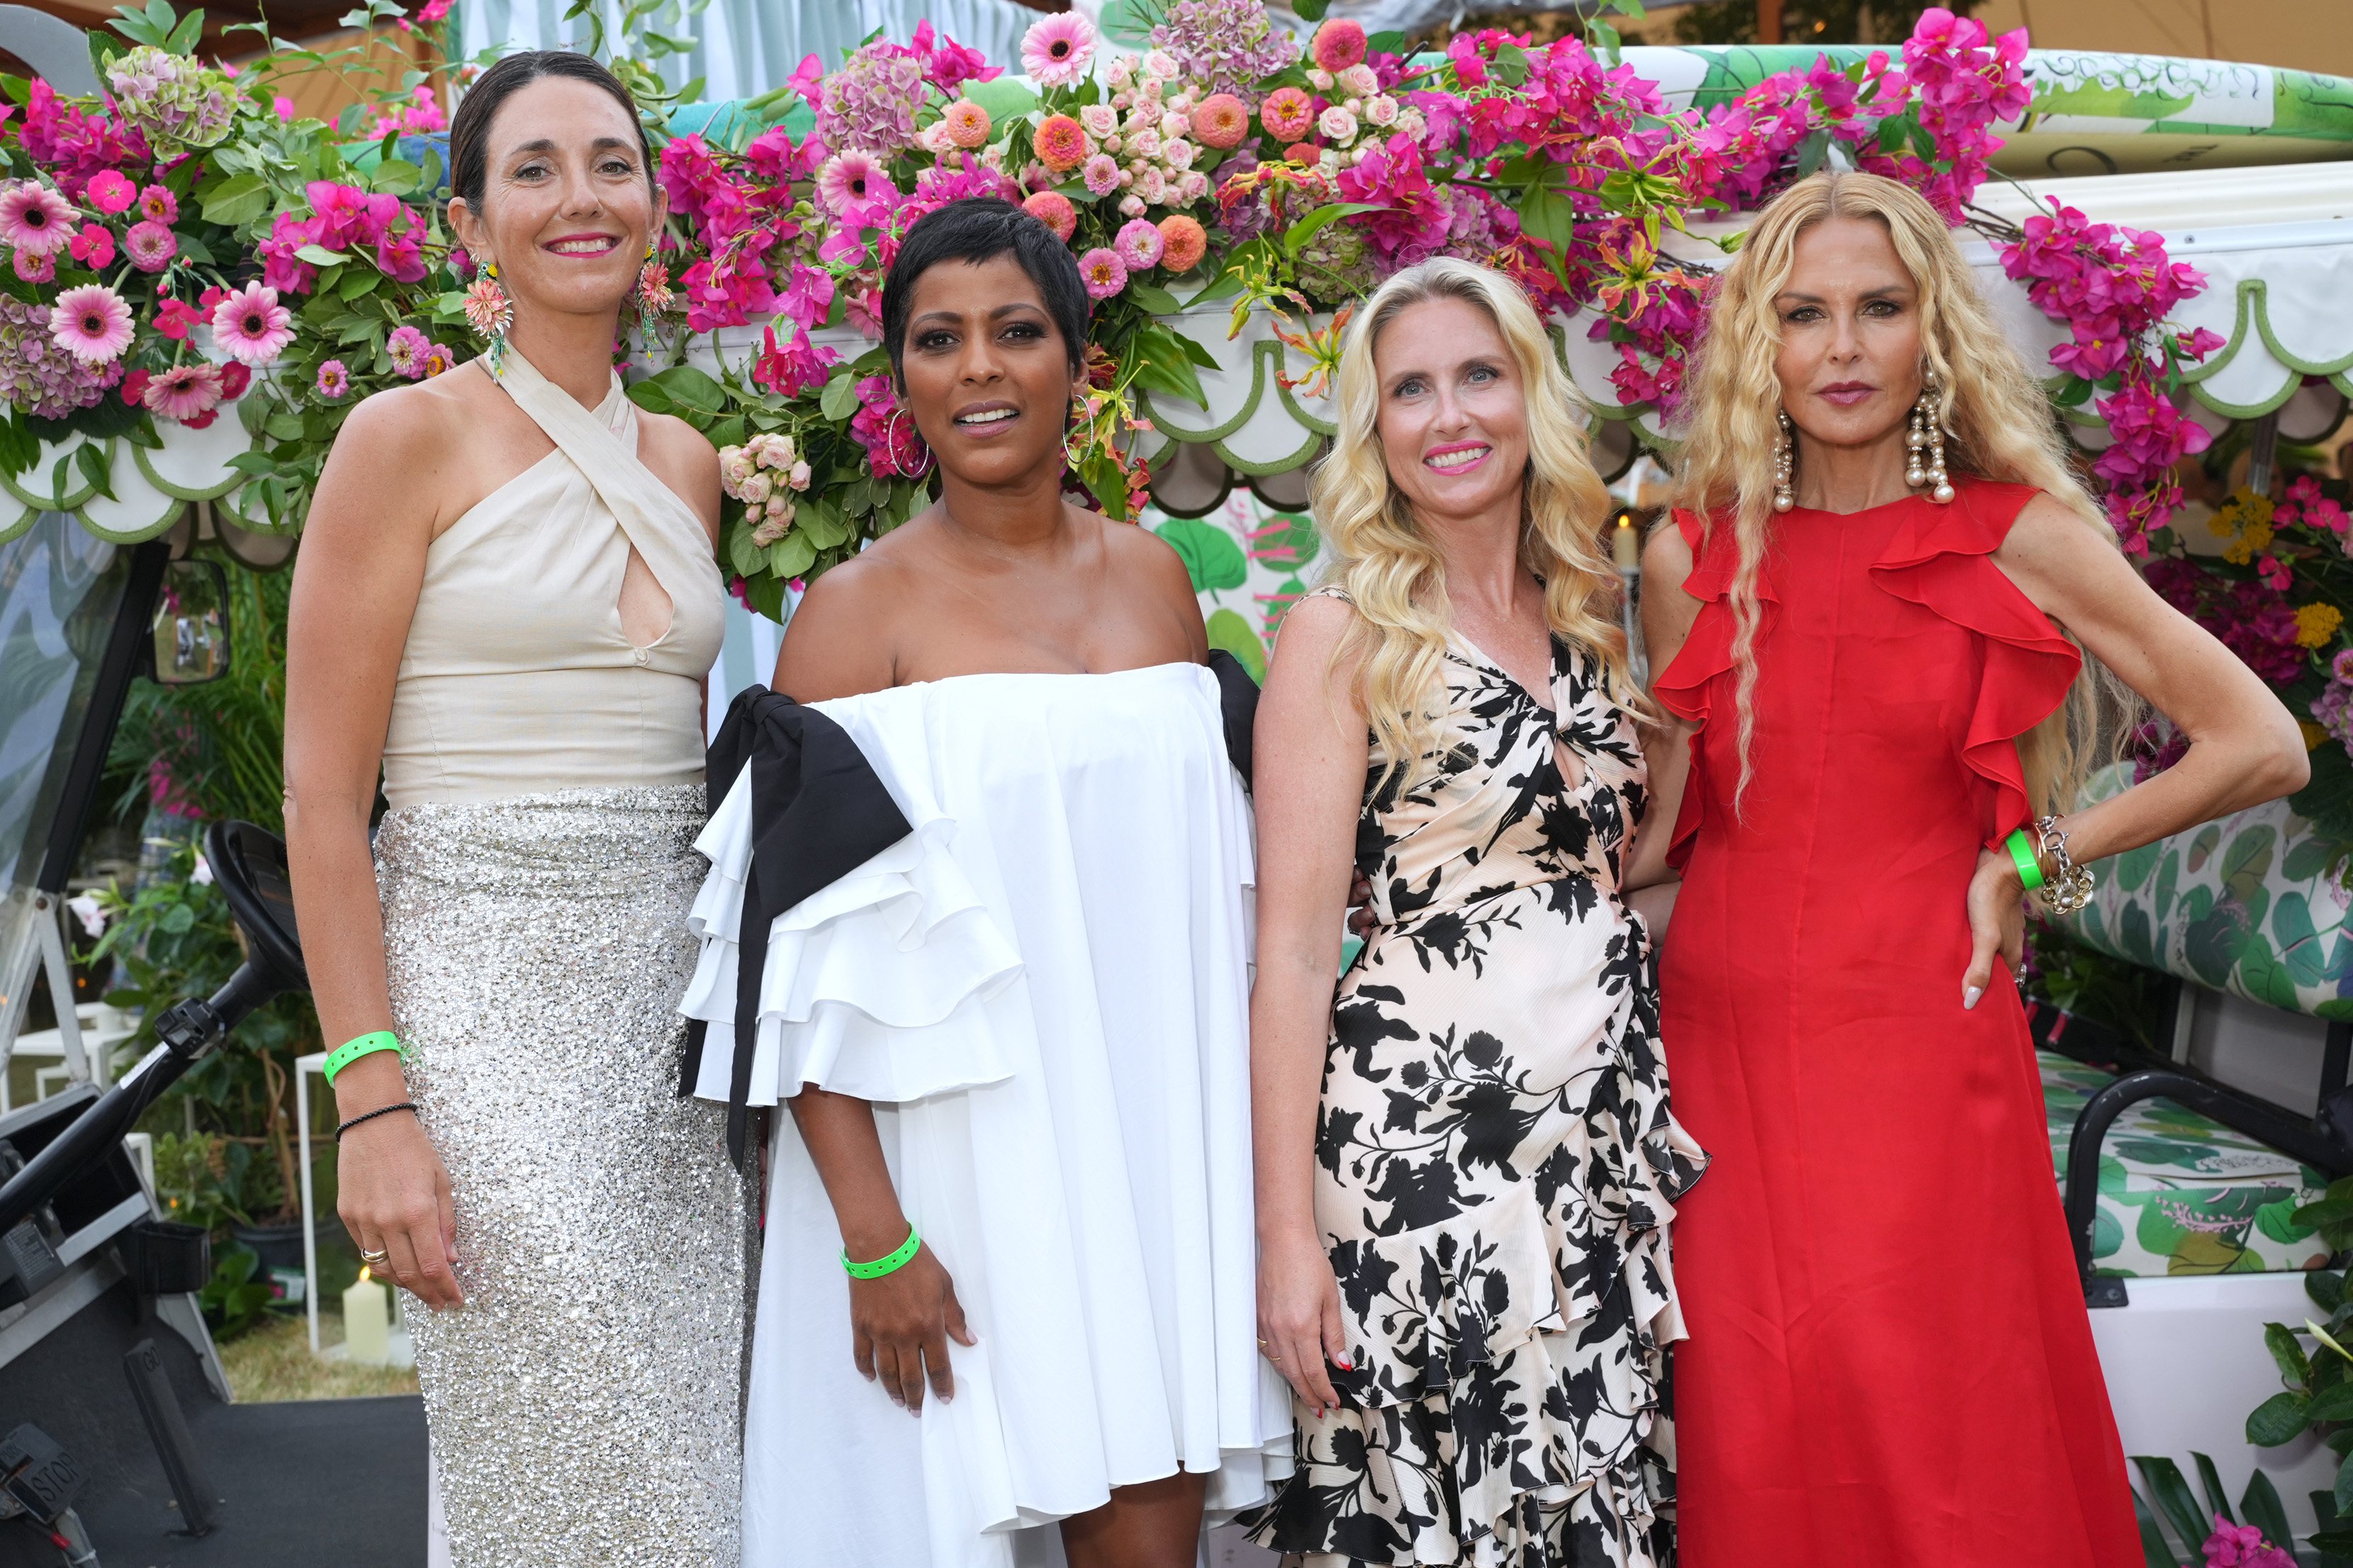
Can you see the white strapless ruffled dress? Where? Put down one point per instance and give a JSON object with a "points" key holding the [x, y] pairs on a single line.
{"points": [[1044, 990]]}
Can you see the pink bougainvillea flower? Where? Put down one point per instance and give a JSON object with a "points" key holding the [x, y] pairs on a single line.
{"points": [[1104, 272], [1139, 245], [853, 179], [36, 268], [93, 247], [1057, 50], [252, 326], [406, 349], [133, 390], [1054, 210], [1220, 121], [110, 193], [2236, 1545], [1338, 44], [948, 65], [438, 358], [1183, 242], [184, 392], [283, 107], [92, 323], [793, 366], [333, 379], [1102, 174], [1287, 113], [34, 218], [1060, 143], [967, 122], [151, 246]]}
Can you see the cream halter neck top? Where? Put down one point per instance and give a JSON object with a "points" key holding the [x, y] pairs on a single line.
{"points": [[517, 678]]}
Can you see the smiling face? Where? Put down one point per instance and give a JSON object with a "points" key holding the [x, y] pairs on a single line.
{"points": [[1453, 413], [988, 375], [567, 209], [1851, 352]]}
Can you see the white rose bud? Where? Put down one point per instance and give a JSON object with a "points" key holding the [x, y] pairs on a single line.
{"points": [[1193, 186], [1172, 125], [1177, 155], [1160, 63], [1143, 144], [1359, 80], [1382, 110], [1337, 123], [780, 512], [766, 533], [1320, 80], [1130, 207], [800, 476], [1148, 89]]}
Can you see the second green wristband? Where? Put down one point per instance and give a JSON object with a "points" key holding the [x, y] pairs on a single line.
{"points": [[2021, 853]]}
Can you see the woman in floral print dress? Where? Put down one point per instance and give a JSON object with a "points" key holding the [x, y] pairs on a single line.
{"points": [[1462, 1230]]}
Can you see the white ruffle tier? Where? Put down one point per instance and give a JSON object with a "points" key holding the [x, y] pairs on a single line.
{"points": [[1044, 990]]}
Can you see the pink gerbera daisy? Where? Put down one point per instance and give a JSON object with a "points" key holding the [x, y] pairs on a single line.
{"points": [[92, 323], [151, 246], [1102, 175], [1139, 245], [1220, 121], [157, 204], [333, 379], [1060, 143], [110, 193], [1104, 272], [252, 326], [184, 392], [848, 179], [1054, 210], [967, 122], [1057, 50], [34, 218]]}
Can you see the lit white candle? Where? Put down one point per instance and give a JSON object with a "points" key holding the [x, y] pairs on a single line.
{"points": [[1626, 542], [368, 1322]]}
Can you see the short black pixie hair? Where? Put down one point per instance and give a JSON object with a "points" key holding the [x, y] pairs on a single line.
{"points": [[982, 229], [470, 131]]}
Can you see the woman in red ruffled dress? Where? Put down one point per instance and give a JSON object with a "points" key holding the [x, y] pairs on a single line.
{"points": [[1876, 681]]}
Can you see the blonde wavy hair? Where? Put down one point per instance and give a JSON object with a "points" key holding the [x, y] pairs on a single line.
{"points": [[1997, 427], [1396, 574]]}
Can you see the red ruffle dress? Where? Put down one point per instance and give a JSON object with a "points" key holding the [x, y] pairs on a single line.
{"points": [[1889, 1361]]}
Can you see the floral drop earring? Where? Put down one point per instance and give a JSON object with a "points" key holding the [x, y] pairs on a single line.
{"points": [[490, 312], [1785, 462], [653, 285], [1925, 440]]}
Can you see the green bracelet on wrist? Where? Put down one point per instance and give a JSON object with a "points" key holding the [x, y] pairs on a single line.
{"points": [[351, 1051], [2021, 853], [889, 1265]]}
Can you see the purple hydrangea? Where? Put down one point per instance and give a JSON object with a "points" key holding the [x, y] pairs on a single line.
{"points": [[1226, 44], [869, 103], [38, 376]]}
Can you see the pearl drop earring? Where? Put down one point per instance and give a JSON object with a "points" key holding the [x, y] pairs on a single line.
{"points": [[1784, 462], [1924, 461]]}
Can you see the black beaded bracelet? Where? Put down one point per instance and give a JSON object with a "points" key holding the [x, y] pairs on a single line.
{"points": [[371, 1116]]}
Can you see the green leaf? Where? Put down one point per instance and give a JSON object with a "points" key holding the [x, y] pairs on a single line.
{"points": [[2335, 1542], [1162, 365], [236, 201], [792, 555], [2217, 1502], [1548, 217], [358, 281], [2295, 1368], [257, 464], [649, 397], [2308, 859], [2134, 866], [1230, 631], [690, 388], [92, 459], [187, 35], [1005, 98], [1309, 10], [2259, 1505], [320, 256], [2344, 1489], [838, 401], [2326, 1289], [1211, 557], [2334, 1403], [2172, 1496], [2279, 1419], [1296, 237], [397, 177], [2154, 1550], [1157, 300], [1129, 23]]}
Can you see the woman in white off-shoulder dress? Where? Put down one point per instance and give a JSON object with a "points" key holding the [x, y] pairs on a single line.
{"points": [[986, 887]]}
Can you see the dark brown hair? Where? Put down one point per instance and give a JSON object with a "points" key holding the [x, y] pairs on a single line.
{"points": [[470, 130]]}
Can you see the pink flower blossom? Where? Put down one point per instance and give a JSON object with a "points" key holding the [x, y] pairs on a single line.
{"points": [[34, 267], [967, 123], [1055, 211], [406, 348], [1220, 121], [1287, 113], [793, 366], [948, 65], [1338, 44], [1103, 273], [1060, 143], [92, 323], [333, 379], [2242, 1546], [1139, 245], [34, 218], [1102, 174], [173, 317], [853, 179], [109, 192], [93, 247], [438, 358], [150, 246], [252, 326], [1057, 50], [1185, 242], [894, 446], [184, 392]]}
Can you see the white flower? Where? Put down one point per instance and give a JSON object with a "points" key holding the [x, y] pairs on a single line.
{"points": [[934, 139], [1099, 121], [754, 489], [1143, 144], [780, 511], [1148, 89], [86, 909], [1358, 80], [1410, 121], [1192, 185], [1130, 207], [1337, 123], [1172, 125], [766, 533], [1177, 155], [1320, 79], [1123, 70], [1382, 110], [1160, 63], [203, 875], [1182, 103], [798, 477], [1152, 186], [1121, 100]]}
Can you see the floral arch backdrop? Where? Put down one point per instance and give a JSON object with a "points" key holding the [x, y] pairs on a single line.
{"points": [[201, 284]]}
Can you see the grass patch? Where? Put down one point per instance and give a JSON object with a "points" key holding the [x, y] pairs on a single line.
{"points": [[273, 1362]]}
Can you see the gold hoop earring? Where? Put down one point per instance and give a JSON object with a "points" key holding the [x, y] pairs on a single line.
{"points": [[1785, 462], [1925, 444], [890, 443]]}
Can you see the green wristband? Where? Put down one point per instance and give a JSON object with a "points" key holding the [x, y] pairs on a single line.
{"points": [[2021, 851], [881, 1265], [351, 1051]]}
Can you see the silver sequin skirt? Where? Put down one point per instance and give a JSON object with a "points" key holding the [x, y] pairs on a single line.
{"points": [[585, 1403]]}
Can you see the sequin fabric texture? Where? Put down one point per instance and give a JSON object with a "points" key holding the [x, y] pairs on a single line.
{"points": [[585, 1403]]}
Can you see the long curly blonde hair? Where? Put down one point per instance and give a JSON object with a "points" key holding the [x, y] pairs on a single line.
{"points": [[1394, 572], [1997, 427]]}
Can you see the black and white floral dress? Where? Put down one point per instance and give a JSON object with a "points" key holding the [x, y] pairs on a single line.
{"points": [[1496, 1158]]}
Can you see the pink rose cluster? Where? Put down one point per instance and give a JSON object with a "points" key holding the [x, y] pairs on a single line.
{"points": [[350, 221]]}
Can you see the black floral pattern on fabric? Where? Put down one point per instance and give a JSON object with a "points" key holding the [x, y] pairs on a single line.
{"points": [[1496, 1161]]}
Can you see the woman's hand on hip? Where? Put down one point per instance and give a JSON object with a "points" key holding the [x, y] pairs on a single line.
{"points": [[392, 1193], [1997, 924], [1300, 1325], [899, 1326]]}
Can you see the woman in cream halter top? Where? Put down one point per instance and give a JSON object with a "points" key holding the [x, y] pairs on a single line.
{"points": [[524, 659]]}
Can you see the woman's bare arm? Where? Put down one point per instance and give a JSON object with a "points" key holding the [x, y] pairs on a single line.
{"points": [[355, 588], [1309, 759]]}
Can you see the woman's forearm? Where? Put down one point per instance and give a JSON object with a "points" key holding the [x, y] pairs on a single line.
{"points": [[341, 922], [839, 1131], [1290, 1019], [2213, 779]]}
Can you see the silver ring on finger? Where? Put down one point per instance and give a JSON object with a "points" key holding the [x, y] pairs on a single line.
{"points": [[374, 1260]]}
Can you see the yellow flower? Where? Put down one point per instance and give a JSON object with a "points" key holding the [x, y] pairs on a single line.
{"points": [[2315, 625], [2313, 734], [2248, 545]]}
